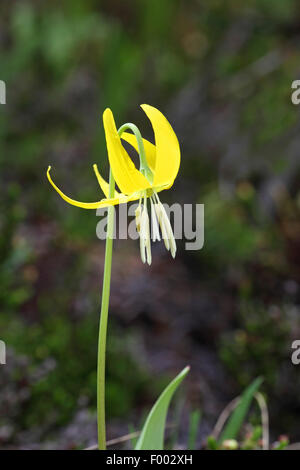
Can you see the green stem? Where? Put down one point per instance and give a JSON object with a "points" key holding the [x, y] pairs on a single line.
{"points": [[103, 320], [144, 168], [106, 288]]}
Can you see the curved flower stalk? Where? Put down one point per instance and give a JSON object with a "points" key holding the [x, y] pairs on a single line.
{"points": [[159, 165]]}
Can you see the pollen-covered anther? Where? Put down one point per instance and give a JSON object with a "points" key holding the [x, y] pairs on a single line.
{"points": [[154, 222], [138, 213]]}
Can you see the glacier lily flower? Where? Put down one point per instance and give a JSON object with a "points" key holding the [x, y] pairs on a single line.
{"points": [[159, 165]]}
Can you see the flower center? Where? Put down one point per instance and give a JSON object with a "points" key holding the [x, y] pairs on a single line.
{"points": [[159, 217]]}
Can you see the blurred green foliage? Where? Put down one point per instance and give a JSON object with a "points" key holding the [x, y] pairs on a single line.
{"points": [[258, 345], [61, 376]]}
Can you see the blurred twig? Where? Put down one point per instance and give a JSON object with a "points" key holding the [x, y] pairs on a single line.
{"points": [[264, 420], [124, 438], [224, 416]]}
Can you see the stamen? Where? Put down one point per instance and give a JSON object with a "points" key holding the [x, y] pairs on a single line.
{"points": [[159, 218], [165, 226], [145, 244], [155, 226], [162, 225], [138, 212], [142, 250]]}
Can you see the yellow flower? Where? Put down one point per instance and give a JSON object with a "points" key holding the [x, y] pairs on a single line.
{"points": [[158, 170]]}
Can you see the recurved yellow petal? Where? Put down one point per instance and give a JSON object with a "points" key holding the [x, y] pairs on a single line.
{"points": [[104, 185], [120, 199], [148, 146], [167, 148], [127, 177]]}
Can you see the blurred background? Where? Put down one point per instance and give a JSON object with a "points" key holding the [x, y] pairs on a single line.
{"points": [[221, 72]]}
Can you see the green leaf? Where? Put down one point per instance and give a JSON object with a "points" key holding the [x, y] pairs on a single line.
{"points": [[195, 418], [133, 439], [282, 444], [152, 435], [237, 418]]}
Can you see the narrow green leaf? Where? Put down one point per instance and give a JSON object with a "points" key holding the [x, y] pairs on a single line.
{"points": [[195, 418], [176, 418], [237, 418], [152, 435], [132, 431]]}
